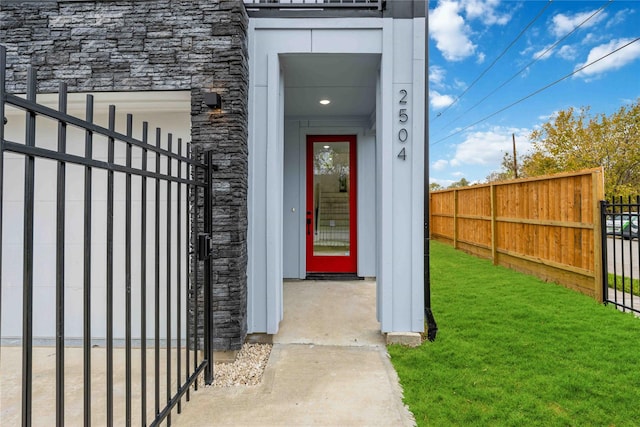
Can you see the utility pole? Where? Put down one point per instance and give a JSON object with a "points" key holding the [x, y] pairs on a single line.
{"points": [[515, 159]]}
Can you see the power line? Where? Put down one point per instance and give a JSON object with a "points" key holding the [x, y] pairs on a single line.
{"points": [[536, 92], [496, 59], [536, 59]]}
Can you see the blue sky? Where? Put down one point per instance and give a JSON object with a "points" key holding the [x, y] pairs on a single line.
{"points": [[467, 36]]}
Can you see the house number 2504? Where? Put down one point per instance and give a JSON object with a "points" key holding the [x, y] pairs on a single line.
{"points": [[403, 117]]}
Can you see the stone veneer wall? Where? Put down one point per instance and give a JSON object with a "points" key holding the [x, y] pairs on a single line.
{"points": [[144, 45]]}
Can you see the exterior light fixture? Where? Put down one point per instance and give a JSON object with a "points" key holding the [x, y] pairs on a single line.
{"points": [[213, 100], [325, 102]]}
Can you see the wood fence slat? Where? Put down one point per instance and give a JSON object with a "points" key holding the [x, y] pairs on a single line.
{"points": [[552, 222]]}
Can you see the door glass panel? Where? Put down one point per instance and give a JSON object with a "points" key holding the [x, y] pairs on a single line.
{"points": [[331, 198]]}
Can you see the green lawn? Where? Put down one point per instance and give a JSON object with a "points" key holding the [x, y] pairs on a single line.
{"points": [[514, 351]]}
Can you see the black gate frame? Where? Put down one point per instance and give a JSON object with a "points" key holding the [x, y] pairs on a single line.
{"points": [[197, 180], [608, 209]]}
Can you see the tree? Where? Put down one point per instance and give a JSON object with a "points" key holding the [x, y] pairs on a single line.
{"points": [[434, 186], [462, 183], [576, 140]]}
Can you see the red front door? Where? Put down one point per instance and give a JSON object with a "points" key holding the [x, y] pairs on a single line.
{"points": [[331, 204]]}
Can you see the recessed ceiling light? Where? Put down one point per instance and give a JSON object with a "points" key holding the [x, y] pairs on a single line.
{"points": [[326, 147], [325, 102]]}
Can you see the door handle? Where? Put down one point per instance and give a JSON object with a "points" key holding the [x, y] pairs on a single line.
{"points": [[308, 226]]}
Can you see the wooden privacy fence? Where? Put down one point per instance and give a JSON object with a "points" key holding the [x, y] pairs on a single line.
{"points": [[545, 226]]}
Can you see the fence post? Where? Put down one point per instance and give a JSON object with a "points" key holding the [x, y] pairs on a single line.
{"points": [[494, 225], [60, 258], [604, 267], [597, 180], [208, 265], [3, 74], [455, 218], [27, 256]]}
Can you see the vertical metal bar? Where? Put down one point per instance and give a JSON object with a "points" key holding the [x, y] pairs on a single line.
{"points": [[196, 266], [614, 250], [624, 295], [631, 298], [3, 76], [208, 373], [605, 249], [168, 284], [179, 272], [192, 266], [127, 303], [196, 270], [86, 297], [157, 279], [60, 231], [637, 212], [143, 279], [27, 274], [110, 160]]}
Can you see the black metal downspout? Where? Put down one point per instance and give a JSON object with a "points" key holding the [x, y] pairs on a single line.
{"points": [[432, 327]]}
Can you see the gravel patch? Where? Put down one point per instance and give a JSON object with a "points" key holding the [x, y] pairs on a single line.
{"points": [[247, 369]]}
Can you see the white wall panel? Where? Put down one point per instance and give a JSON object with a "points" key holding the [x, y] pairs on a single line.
{"points": [[257, 249], [293, 209], [418, 179], [267, 42], [367, 205], [346, 40], [142, 107]]}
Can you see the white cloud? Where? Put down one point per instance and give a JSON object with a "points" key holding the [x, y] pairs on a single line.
{"points": [[568, 52], [459, 84], [488, 147], [436, 76], [438, 100], [547, 117], [485, 11], [562, 24], [612, 62], [592, 38], [544, 53], [619, 17], [526, 51], [439, 165], [450, 32], [449, 28]]}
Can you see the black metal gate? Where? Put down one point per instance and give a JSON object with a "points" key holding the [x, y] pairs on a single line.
{"points": [[148, 320], [621, 253]]}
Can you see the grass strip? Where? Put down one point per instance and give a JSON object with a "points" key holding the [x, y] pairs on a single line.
{"points": [[624, 285], [513, 350]]}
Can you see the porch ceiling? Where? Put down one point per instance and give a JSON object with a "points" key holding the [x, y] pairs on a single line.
{"points": [[348, 80]]}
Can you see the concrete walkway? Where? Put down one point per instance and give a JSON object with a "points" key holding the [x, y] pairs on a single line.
{"points": [[328, 367]]}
